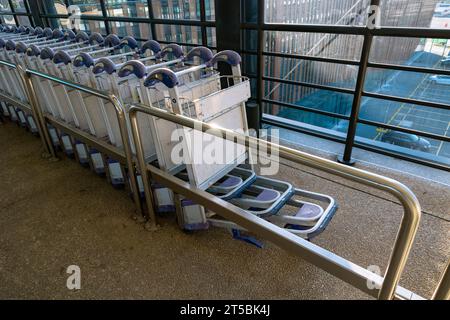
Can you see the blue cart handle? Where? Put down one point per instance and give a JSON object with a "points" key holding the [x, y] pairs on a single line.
{"points": [[164, 75]]}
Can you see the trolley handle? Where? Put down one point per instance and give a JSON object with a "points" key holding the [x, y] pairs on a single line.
{"points": [[10, 45], [38, 31], [57, 34], [164, 75], [96, 38], [129, 42], [69, 35], [81, 37], [62, 57], [151, 45], [111, 40], [173, 49], [229, 56], [21, 47], [83, 59], [205, 54], [104, 65], [33, 51], [132, 67], [47, 53], [48, 33]]}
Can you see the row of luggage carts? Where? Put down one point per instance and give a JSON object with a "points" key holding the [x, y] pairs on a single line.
{"points": [[164, 77]]}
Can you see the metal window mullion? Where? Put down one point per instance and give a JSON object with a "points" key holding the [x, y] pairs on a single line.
{"points": [[203, 25], [13, 12], [105, 16], [151, 18], [360, 80]]}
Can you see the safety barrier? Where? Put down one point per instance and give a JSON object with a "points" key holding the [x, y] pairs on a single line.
{"points": [[136, 164]]}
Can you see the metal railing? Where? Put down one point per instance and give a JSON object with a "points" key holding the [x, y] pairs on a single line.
{"points": [[327, 261], [124, 156], [324, 259], [358, 92]]}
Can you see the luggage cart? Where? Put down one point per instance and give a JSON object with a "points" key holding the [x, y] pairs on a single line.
{"points": [[125, 81], [264, 197], [70, 108], [78, 69], [11, 81], [139, 93]]}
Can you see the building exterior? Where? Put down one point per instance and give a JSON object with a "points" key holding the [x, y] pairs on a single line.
{"points": [[411, 13]]}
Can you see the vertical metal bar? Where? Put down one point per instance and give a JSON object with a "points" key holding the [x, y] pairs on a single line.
{"points": [[151, 17], [37, 111], [203, 21], [260, 59], [29, 13], [121, 118], [35, 8], [443, 289], [142, 168], [360, 80], [13, 12], [105, 16]]}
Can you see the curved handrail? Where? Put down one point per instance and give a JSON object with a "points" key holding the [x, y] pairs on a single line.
{"points": [[412, 210]]}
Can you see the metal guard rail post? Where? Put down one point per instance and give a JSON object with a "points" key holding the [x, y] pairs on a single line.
{"points": [[443, 288], [338, 266]]}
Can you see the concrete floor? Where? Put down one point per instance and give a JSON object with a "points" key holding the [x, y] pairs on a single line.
{"points": [[56, 214]]}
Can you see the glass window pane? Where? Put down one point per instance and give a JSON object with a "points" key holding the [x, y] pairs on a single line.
{"points": [[57, 23], [179, 33], [342, 12], [406, 115], [24, 20], [428, 53], [250, 11], [250, 40], [137, 30], [8, 20], [406, 84], [179, 10], [211, 35], [249, 64], [4, 6], [325, 45], [210, 10], [306, 120], [55, 7], [19, 6], [414, 13], [88, 7], [324, 100], [324, 73], [127, 8], [93, 26], [405, 144]]}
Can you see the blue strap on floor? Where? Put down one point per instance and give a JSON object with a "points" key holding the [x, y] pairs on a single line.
{"points": [[238, 236]]}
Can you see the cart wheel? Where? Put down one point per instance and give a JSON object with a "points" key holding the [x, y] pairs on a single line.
{"points": [[186, 231]]}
